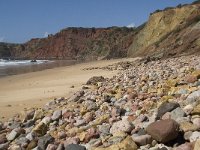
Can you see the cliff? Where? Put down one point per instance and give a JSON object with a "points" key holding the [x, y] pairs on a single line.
{"points": [[172, 31], [78, 43], [168, 32]]}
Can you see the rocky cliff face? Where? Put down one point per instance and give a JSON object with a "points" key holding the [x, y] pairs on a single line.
{"points": [[169, 32], [78, 43]]}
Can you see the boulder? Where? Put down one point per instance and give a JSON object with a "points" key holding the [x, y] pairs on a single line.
{"points": [[163, 131]]}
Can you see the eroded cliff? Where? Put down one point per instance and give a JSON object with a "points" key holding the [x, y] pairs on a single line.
{"points": [[169, 32]]}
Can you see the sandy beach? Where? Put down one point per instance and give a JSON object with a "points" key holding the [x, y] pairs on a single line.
{"points": [[36, 88]]}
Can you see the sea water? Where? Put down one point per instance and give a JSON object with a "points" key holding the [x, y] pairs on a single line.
{"points": [[4, 62], [14, 67]]}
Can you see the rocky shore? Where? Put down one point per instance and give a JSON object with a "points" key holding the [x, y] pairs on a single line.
{"points": [[149, 105]]}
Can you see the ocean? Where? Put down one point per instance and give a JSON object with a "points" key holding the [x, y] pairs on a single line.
{"points": [[14, 67]]}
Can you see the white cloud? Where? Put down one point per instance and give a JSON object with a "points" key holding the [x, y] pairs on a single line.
{"points": [[46, 34], [132, 25], [2, 39]]}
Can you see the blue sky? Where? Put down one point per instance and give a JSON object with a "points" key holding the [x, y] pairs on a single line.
{"points": [[21, 20]]}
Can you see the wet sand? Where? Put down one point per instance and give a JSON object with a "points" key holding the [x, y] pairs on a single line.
{"points": [[36, 88]]}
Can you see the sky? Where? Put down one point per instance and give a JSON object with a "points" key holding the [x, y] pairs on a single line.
{"points": [[21, 20]]}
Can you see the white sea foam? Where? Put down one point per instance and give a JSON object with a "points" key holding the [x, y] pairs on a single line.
{"points": [[19, 62]]}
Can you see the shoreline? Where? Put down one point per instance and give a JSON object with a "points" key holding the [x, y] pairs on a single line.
{"points": [[34, 89]]}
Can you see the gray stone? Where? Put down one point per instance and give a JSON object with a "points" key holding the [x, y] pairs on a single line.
{"points": [[187, 135], [90, 105], [104, 128], [51, 103], [196, 121], [166, 107], [15, 147], [22, 141], [79, 122], [177, 113], [12, 135], [142, 139], [29, 123], [60, 147], [123, 125], [14, 125], [194, 136], [4, 146], [31, 136], [183, 91], [193, 96], [46, 120], [76, 96], [75, 147], [51, 147], [44, 141], [56, 115], [188, 109]]}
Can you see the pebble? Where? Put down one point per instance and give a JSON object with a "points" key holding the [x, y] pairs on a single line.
{"points": [[196, 121], [187, 126], [44, 141], [126, 144], [193, 96], [40, 129], [56, 115], [142, 139], [123, 125], [75, 147], [194, 136], [166, 107], [12, 135], [177, 113], [153, 105], [197, 145]]}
